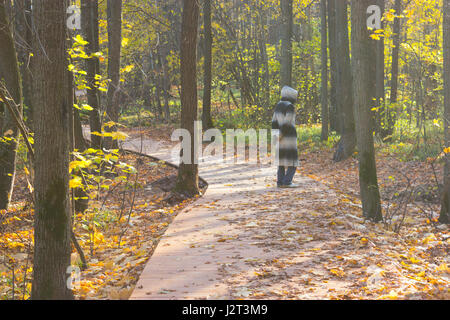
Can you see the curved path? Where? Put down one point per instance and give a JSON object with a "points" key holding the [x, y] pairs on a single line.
{"points": [[244, 238]]}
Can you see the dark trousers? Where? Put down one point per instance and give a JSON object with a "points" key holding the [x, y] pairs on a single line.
{"points": [[285, 177]]}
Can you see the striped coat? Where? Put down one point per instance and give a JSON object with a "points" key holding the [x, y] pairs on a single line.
{"points": [[283, 123]]}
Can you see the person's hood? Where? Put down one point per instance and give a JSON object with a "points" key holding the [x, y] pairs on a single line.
{"points": [[288, 93]]}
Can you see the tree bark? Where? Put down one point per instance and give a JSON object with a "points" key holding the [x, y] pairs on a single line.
{"points": [[89, 23], [207, 77], [52, 225], [362, 57], [23, 39], [444, 216], [286, 43], [10, 77], [344, 98], [188, 172], [164, 80], [331, 8], [77, 141], [114, 17], [391, 111], [324, 70], [380, 104]]}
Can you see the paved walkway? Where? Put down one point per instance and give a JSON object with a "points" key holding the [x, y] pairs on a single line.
{"points": [[241, 239]]}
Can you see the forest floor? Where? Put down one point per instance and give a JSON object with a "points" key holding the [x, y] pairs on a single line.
{"points": [[246, 239], [118, 233]]}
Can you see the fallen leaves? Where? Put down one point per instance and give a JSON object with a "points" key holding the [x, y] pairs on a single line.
{"points": [[115, 260]]}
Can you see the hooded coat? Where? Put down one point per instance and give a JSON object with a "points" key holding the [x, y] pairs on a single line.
{"points": [[283, 124]]}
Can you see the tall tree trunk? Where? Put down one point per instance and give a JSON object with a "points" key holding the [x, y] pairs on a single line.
{"points": [[380, 104], [166, 86], [344, 98], [207, 77], [114, 16], [286, 43], [331, 8], [373, 69], [324, 72], [188, 172], [89, 23], [265, 64], [23, 41], [164, 80], [391, 110], [52, 225], [362, 57], [445, 203], [10, 77], [147, 95], [158, 88], [81, 200]]}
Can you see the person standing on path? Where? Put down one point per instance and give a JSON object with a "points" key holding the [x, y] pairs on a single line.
{"points": [[283, 126]]}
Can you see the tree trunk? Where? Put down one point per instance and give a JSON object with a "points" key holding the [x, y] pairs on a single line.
{"points": [[324, 76], [164, 80], [207, 77], [188, 172], [373, 69], [23, 41], [391, 110], [52, 225], [89, 23], [148, 77], [362, 57], [331, 8], [286, 43], [344, 98], [114, 17], [157, 81], [266, 71], [81, 201], [10, 77], [445, 203], [380, 104]]}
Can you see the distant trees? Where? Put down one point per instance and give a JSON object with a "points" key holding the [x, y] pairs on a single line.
{"points": [[9, 133], [188, 172], [362, 58], [51, 112]]}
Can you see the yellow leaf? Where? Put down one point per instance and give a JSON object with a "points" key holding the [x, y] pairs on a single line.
{"points": [[119, 135], [75, 183]]}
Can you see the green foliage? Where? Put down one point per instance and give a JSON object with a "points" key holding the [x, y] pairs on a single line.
{"points": [[410, 142], [94, 170], [309, 138]]}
